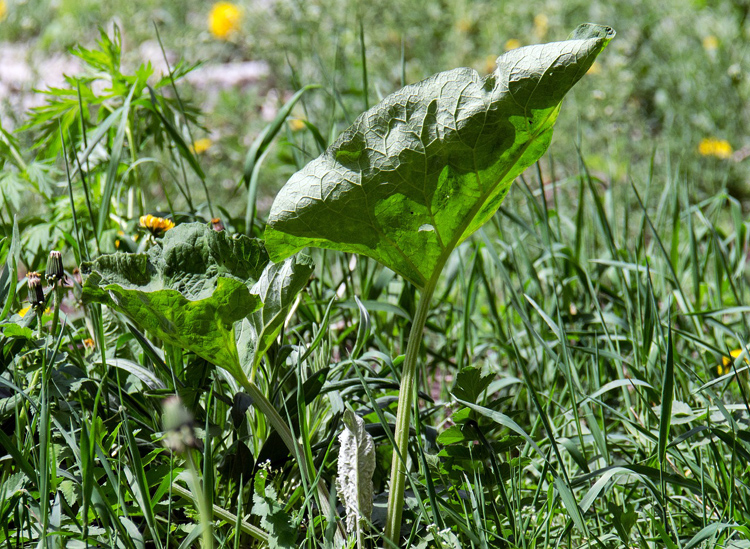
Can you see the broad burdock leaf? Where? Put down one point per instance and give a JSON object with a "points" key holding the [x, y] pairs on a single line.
{"points": [[188, 290], [421, 171], [356, 467]]}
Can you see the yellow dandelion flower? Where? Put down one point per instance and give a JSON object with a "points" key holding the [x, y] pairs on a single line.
{"points": [[3, 10], [202, 145], [512, 44], [296, 124], [541, 25], [710, 43], [720, 148], [22, 313], [157, 226], [224, 20], [727, 362], [118, 239]]}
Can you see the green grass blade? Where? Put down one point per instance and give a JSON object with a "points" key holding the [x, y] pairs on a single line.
{"points": [[10, 272], [114, 164], [141, 491], [258, 150], [667, 397]]}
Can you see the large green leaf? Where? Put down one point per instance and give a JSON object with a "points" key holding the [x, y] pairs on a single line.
{"points": [[419, 172], [188, 290]]}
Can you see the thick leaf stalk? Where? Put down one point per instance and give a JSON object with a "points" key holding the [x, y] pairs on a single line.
{"points": [[403, 416]]}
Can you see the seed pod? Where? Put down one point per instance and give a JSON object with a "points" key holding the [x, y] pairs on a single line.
{"points": [[55, 271], [36, 292]]}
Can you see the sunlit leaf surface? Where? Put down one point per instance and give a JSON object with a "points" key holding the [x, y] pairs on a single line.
{"points": [[419, 172]]}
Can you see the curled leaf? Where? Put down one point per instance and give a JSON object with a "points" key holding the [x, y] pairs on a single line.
{"points": [[278, 286], [356, 467]]}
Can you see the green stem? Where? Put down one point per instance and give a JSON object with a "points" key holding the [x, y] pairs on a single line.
{"points": [[56, 314], [43, 435], [403, 416], [225, 515]]}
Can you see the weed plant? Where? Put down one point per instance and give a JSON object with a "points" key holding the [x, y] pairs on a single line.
{"points": [[577, 380]]}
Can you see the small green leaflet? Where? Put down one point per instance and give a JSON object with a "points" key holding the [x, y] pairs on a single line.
{"points": [[273, 518], [471, 383], [279, 285]]}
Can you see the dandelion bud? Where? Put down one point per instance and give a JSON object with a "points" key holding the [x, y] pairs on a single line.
{"points": [[55, 272], [36, 292], [216, 224], [178, 426]]}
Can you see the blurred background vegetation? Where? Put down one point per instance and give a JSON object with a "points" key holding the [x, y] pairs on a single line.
{"points": [[672, 88]]}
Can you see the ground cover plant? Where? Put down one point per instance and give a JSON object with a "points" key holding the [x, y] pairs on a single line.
{"points": [[558, 360]]}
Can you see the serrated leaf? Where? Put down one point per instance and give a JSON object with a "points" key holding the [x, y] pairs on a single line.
{"points": [[188, 290], [70, 491], [12, 486], [451, 435], [14, 330], [273, 518], [470, 383], [421, 171], [9, 275]]}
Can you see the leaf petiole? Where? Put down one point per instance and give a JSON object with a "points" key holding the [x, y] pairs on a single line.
{"points": [[403, 415]]}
